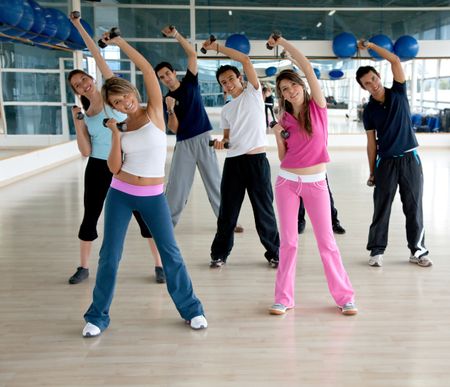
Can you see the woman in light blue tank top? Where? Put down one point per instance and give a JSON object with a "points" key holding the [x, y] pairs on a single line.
{"points": [[94, 141], [137, 161]]}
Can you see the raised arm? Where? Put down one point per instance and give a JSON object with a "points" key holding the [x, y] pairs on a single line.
{"points": [[155, 102], [394, 60], [302, 61], [92, 47], [171, 31], [238, 56]]}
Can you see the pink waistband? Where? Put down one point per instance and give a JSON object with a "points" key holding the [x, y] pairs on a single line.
{"points": [[137, 190]]}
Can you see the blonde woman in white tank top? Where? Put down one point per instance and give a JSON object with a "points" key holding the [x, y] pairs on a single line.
{"points": [[137, 161], [94, 141]]}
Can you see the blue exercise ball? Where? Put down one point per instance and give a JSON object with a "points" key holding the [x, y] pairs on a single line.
{"points": [[335, 74], [51, 26], [75, 40], [317, 72], [344, 45], [239, 42], [25, 22], [11, 11], [271, 71], [382, 41], [38, 23], [406, 47], [61, 22]]}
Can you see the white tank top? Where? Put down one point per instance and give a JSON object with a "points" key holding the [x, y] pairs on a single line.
{"points": [[144, 151]]}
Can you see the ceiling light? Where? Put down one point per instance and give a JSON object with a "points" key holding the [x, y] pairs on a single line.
{"points": [[319, 24], [230, 12], [332, 12]]}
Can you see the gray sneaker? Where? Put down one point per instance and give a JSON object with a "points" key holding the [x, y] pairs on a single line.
{"points": [[423, 261], [159, 275], [349, 309], [80, 275], [376, 260], [278, 309]]}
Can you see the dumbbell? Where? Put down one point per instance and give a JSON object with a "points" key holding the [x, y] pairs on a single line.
{"points": [[171, 28], [122, 126], [275, 35], [113, 33], [80, 115], [75, 14], [226, 145], [212, 38], [284, 133], [365, 43]]}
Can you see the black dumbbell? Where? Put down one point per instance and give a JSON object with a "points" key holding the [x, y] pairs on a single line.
{"points": [[226, 145], [284, 133], [80, 115], [113, 33], [75, 14], [212, 38], [171, 28], [275, 35], [122, 126]]}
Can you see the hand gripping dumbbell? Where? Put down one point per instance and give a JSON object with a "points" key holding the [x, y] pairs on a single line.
{"points": [[75, 14], [171, 28], [113, 33], [212, 39], [226, 145], [275, 35], [80, 115], [284, 133], [364, 43], [122, 126]]}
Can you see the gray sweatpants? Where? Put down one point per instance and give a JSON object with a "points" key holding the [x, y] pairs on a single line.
{"points": [[187, 155]]}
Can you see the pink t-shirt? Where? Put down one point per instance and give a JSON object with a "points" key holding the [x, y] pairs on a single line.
{"points": [[303, 150]]}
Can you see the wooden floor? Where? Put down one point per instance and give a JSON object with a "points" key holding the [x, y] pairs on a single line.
{"points": [[401, 337]]}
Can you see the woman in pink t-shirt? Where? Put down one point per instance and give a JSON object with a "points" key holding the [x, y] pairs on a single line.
{"points": [[302, 136]]}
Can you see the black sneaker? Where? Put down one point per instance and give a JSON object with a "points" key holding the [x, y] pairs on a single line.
{"points": [[216, 263], [80, 275], [301, 227], [273, 262], [338, 229], [159, 275]]}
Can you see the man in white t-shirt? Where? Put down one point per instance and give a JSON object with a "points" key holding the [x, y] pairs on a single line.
{"points": [[246, 166]]}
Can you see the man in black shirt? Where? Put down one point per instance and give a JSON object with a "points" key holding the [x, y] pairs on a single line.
{"points": [[393, 159]]}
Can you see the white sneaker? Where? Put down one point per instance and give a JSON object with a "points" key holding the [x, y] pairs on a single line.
{"points": [[376, 260], [199, 322], [423, 261], [91, 330]]}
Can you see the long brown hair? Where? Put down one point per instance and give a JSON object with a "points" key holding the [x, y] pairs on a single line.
{"points": [[84, 100], [303, 117]]}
